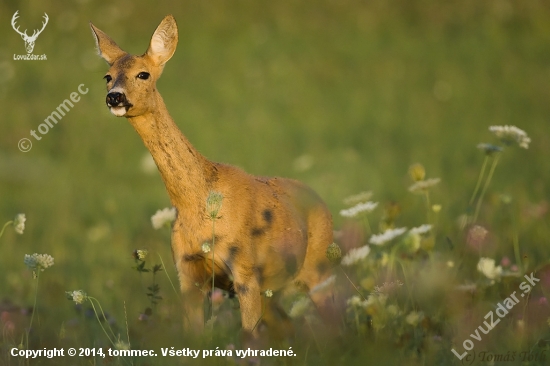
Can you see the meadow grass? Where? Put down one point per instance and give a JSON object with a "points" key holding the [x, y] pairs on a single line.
{"points": [[343, 95]]}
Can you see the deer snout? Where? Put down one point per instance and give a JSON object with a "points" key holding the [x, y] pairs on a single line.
{"points": [[116, 99]]}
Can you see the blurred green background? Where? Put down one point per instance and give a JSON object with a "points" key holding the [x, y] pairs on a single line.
{"points": [[342, 94]]}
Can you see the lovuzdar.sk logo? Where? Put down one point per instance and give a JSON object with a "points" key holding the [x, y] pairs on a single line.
{"points": [[29, 40]]}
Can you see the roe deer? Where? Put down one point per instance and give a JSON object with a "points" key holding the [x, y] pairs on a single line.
{"points": [[271, 233]]}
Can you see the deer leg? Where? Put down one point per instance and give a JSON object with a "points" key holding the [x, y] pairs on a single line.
{"points": [[278, 322], [193, 299], [248, 290]]}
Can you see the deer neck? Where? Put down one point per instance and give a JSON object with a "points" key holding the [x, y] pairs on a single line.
{"points": [[187, 174]]}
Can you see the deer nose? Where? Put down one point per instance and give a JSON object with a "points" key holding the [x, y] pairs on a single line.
{"points": [[115, 99]]}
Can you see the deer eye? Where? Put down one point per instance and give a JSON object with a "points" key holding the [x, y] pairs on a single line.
{"points": [[143, 75], [108, 78]]}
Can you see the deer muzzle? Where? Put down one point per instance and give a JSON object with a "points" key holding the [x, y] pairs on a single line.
{"points": [[116, 99]]}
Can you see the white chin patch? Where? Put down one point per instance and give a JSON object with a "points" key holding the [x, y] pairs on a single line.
{"points": [[118, 111]]}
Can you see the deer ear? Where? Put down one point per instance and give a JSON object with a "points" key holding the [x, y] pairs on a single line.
{"points": [[106, 47], [164, 41]]}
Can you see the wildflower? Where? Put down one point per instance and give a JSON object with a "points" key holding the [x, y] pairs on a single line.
{"points": [[214, 204], [386, 236], [268, 293], [436, 208], [357, 302], [355, 255], [19, 223], [205, 248], [423, 229], [423, 185], [489, 149], [141, 254], [412, 242], [476, 236], [38, 261], [163, 217], [414, 318], [511, 134], [299, 307], [393, 310], [121, 345], [358, 198], [417, 172], [323, 285], [387, 287], [77, 296], [505, 261], [488, 268], [376, 298], [334, 253], [209, 325], [359, 208]]}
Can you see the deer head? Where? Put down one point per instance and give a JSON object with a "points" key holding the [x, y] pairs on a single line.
{"points": [[29, 40], [131, 79]]}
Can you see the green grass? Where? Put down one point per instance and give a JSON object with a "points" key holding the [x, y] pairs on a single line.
{"points": [[365, 89]]}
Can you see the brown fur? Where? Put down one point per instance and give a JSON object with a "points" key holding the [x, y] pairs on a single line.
{"points": [[271, 232]]}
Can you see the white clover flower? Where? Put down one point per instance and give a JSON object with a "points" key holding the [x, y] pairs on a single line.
{"points": [[205, 247], [163, 217], [423, 185], [386, 236], [376, 298], [77, 296], [358, 208], [299, 307], [357, 302], [488, 268], [19, 223], [38, 261], [268, 293], [358, 198], [323, 285], [355, 255], [510, 134], [414, 318], [142, 254], [30, 261], [422, 229]]}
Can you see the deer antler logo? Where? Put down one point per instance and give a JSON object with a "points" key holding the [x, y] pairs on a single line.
{"points": [[29, 41]]}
